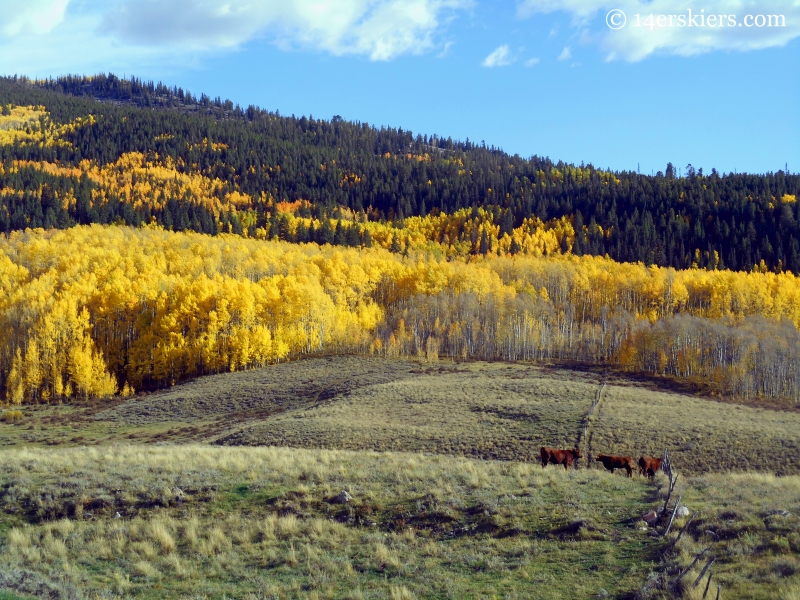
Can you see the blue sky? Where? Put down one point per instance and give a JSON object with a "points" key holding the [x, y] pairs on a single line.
{"points": [[546, 77]]}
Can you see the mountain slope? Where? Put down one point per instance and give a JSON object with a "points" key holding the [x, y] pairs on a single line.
{"points": [[209, 165]]}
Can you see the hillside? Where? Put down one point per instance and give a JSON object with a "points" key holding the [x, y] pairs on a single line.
{"points": [[434, 514], [482, 410], [152, 153], [213, 320], [255, 523]]}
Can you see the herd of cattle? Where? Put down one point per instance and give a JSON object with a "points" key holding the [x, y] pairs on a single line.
{"points": [[647, 464]]}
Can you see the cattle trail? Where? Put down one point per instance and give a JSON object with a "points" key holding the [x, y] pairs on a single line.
{"points": [[584, 433]]}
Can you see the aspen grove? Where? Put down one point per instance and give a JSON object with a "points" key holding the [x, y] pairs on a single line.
{"points": [[95, 310]]}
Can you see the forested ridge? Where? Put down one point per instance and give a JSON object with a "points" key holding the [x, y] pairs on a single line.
{"points": [[148, 152]]}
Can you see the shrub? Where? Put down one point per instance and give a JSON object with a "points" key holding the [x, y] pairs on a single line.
{"points": [[12, 415]]}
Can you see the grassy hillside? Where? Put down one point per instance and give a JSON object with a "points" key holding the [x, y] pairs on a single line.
{"points": [[483, 410], [751, 522], [428, 519], [475, 409], [703, 435], [256, 521]]}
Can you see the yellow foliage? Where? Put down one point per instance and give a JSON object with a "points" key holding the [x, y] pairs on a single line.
{"points": [[90, 309], [148, 181], [94, 309], [32, 124]]}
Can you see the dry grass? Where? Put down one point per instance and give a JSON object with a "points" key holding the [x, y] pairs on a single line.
{"points": [[256, 521], [493, 411], [12, 416], [702, 435], [488, 410], [259, 393], [483, 410], [754, 519]]}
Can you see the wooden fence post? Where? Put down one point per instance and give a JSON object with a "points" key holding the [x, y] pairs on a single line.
{"points": [[672, 483], [703, 572], [708, 584], [672, 518], [694, 562], [680, 533]]}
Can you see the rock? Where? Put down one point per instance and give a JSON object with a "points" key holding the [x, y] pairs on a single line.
{"points": [[177, 493], [342, 498], [682, 512], [650, 518]]}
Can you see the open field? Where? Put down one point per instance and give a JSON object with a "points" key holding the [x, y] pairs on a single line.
{"points": [[440, 458], [485, 410], [256, 521], [702, 435]]}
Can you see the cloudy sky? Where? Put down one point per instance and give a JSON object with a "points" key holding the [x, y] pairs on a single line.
{"points": [[622, 83]]}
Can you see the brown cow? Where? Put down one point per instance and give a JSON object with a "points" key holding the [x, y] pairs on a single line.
{"points": [[616, 462], [560, 457], [649, 465]]}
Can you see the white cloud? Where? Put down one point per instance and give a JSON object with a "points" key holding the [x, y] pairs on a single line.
{"points": [[73, 46], [41, 37], [31, 16], [579, 8], [531, 62], [566, 53], [498, 58], [445, 51], [634, 43], [379, 29]]}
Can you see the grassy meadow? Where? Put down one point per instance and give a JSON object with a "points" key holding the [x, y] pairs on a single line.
{"points": [[703, 435], [223, 488], [255, 522], [483, 410]]}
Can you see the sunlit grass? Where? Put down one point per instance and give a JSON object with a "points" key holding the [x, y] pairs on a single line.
{"points": [[256, 520], [702, 435]]}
